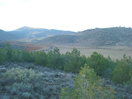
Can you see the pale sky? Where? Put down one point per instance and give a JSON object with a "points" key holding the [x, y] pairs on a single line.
{"points": [[74, 15]]}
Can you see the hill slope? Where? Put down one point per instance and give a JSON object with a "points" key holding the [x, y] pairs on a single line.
{"points": [[28, 32], [6, 36], [116, 36]]}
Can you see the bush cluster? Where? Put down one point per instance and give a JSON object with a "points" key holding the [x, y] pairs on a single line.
{"points": [[123, 71], [119, 71], [102, 66], [3, 55], [20, 83], [71, 61], [88, 86]]}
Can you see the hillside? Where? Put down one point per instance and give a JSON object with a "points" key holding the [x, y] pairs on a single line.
{"points": [[98, 37], [106, 37], [6, 36], [59, 39], [28, 32], [115, 36]]}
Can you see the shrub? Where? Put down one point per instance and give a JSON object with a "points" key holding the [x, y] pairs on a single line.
{"points": [[22, 75], [123, 71], [3, 56], [41, 58], [26, 56], [9, 51], [22, 83], [129, 82], [88, 86], [101, 65], [74, 61], [55, 59], [17, 56]]}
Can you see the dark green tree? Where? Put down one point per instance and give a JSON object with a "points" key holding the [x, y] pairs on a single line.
{"points": [[123, 70], [100, 64]]}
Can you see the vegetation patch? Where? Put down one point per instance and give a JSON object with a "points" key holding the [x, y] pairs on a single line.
{"points": [[88, 86], [119, 72]]}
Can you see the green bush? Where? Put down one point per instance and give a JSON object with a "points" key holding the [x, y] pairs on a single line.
{"points": [[88, 86], [119, 71], [26, 56], [17, 56], [41, 58], [22, 83], [9, 51], [55, 59], [3, 56], [74, 61], [129, 82], [123, 71], [101, 65], [22, 75]]}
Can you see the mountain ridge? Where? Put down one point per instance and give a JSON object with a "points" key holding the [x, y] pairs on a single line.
{"points": [[114, 36], [32, 33]]}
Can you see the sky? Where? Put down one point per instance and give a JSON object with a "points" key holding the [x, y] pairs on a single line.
{"points": [[74, 15]]}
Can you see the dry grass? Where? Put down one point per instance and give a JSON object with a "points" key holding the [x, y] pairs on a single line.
{"points": [[113, 52]]}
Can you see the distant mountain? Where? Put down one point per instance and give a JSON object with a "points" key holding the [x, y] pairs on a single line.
{"points": [[28, 32], [115, 36], [4, 36]]}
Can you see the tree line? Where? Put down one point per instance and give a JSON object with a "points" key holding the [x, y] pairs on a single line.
{"points": [[119, 71]]}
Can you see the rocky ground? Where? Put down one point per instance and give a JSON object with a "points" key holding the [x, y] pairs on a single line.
{"points": [[54, 80]]}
